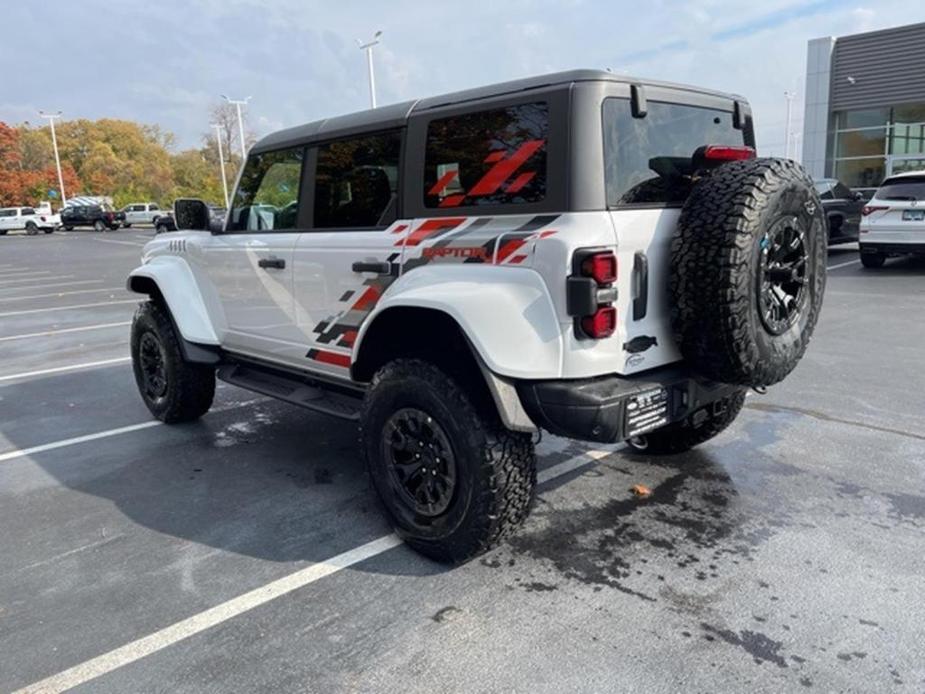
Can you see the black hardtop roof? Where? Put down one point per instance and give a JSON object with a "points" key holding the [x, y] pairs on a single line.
{"points": [[395, 115]]}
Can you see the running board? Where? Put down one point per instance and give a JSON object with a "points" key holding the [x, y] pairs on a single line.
{"points": [[290, 389]]}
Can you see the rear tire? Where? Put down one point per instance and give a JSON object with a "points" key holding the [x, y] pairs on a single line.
{"points": [[31, 229], [48, 231], [3, 232], [873, 260], [484, 475], [698, 427], [98, 225], [160, 229], [126, 226], [174, 390], [67, 228]]}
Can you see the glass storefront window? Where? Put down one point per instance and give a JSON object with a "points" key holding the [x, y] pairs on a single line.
{"points": [[867, 118], [861, 173], [860, 143], [907, 139], [911, 113]]}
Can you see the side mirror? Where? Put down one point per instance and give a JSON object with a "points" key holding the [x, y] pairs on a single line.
{"points": [[191, 214]]}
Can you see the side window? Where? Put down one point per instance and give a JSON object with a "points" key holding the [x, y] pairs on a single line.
{"points": [[495, 157], [841, 191], [824, 188], [267, 197], [153, 208], [356, 182], [27, 211], [648, 160], [7, 213]]}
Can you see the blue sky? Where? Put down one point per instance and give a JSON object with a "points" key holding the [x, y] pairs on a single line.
{"points": [[165, 62]]}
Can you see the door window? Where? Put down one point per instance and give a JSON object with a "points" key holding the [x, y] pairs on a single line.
{"points": [[267, 198], [495, 157], [26, 211], [356, 182]]}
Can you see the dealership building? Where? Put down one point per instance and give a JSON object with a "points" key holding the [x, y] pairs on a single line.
{"points": [[865, 106]]}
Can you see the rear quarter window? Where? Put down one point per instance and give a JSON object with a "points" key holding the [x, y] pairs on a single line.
{"points": [[491, 157], [647, 160]]}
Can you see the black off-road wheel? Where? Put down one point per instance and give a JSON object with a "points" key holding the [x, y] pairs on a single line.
{"points": [[174, 390], [748, 271], [453, 480], [873, 260], [696, 428]]}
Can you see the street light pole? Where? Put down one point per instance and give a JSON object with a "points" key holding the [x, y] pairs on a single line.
{"points": [[221, 160], [239, 103], [54, 143], [368, 47], [789, 97]]}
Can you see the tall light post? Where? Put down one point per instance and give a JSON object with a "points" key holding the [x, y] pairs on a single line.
{"points": [[221, 160], [368, 47], [789, 97], [54, 143], [239, 103]]}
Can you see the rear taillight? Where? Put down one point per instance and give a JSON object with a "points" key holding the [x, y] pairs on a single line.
{"points": [[870, 209], [591, 294], [602, 323], [601, 266], [728, 153]]}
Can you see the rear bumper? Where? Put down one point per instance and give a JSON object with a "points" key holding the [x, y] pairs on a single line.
{"points": [[892, 247], [614, 408]]}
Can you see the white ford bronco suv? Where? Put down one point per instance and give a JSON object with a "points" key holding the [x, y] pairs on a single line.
{"points": [[580, 252]]}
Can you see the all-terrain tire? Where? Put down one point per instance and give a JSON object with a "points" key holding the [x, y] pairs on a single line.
{"points": [[696, 428], [730, 250], [873, 260], [174, 390], [495, 468]]}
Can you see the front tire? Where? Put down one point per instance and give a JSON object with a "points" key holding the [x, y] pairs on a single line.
{"points": [[696, 428], [453, 480], [173, 390]]}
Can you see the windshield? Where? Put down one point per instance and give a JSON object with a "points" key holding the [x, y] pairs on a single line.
{"points": [[911, 188]]}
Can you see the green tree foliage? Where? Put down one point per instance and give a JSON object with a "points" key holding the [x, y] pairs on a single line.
{"points": [[130, 162]]}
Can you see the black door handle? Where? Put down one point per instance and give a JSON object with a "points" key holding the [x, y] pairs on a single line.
{"points": [[380, 268], [277, 263], [641, 288]]}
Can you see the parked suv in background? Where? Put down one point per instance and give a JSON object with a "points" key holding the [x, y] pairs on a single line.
{"points": [[141, 213], [30, 219], [601, 258], [100, 217], [893, 222], [842, 209]]}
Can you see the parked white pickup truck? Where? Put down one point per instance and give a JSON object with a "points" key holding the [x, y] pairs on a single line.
{"points": [[31, 219], [142, 213]]}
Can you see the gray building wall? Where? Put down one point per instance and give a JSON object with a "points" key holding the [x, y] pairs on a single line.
{"points": [[885, 67], [885, 70]]}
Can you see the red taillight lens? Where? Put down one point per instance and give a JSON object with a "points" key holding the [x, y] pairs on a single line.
{"points": [[727, 153], [601, 323], [601, 266], [869, 209]]}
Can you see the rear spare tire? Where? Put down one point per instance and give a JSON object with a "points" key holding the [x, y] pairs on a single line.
{"points": [[748, 271]]}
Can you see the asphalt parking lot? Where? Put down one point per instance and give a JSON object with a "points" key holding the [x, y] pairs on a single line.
{"points": [[245, 552]]}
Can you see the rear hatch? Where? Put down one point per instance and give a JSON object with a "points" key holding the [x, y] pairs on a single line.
{"points": [[896, 213]]}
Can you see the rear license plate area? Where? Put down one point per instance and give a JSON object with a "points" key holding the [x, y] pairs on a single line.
{"points": [[914, 215], [646, 411]]}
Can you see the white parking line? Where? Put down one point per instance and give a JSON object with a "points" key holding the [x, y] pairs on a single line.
{"points": [[185, 628], [123, 243], [65, 308], [835, 267], [62, 369], [49, 333], [55, 284], [9, 274], [55, 295], [20, 280]]}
